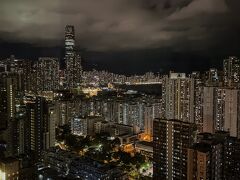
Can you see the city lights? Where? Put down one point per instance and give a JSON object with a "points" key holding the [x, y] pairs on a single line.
{"points": [[128, 90]]}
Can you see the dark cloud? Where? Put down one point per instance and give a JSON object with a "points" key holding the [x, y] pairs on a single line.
{"points": [[103, 25], [138, 35]]}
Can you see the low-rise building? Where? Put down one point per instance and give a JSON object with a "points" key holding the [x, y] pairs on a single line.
{"points": [[9, 168], [89, 169], [145, 148], [69, 164]]}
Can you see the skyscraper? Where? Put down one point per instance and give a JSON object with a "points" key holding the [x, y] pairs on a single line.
{"points": [[10, 135], [221, 110], [27, 69], [178, 97], [171, 138], [148, 122], [231, 70], [47, 74], [40, 131], [69, 42], [197, 89], [3, 108], [208, 106], [72, 59]]}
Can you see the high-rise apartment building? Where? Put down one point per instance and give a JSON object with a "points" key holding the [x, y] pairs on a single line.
{"points": [[47, 74], [212, 77], [221, 110], [10, 134], [3, 108], [27, 78], [40, 131], [62, 109], [178, 97], [197, 103], [208, 106], [171, 138], [231, 71], [148, 123], [79, 126], [231, 165], [205, 159], [83, 126]]}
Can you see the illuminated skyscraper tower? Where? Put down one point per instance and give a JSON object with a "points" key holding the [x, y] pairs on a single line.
{"points": [[72, 59], [69, 42]]}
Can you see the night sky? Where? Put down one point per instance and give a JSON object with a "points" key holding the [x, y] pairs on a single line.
{"points": [[125, 36]]}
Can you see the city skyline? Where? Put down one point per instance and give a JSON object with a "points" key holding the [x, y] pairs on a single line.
{"points": [[120, 89]]}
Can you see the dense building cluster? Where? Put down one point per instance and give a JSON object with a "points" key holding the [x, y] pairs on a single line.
{"points": [[186, 125], [201, 120]]}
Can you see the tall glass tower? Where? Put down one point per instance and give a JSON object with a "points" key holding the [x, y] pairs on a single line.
{"points": [[72, 59], [69, 42]]}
